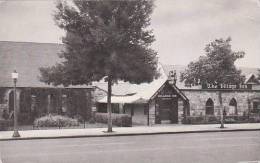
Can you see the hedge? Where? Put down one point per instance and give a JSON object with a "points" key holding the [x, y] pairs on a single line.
{"points": [[122, 120], [55, 121], [216, 119], [201, 120], [4, 124]]}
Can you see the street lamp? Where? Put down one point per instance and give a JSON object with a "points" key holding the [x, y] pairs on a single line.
{"points": [[16, 133]]}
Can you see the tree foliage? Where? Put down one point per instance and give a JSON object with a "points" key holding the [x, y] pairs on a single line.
{"points": [[258, 74], [104, 39], [216, 67]]}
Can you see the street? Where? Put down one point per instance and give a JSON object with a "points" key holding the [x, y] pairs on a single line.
{"points": [[215, 147]]}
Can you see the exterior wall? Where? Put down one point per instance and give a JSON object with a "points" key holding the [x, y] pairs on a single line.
{"points": [[180, 110], [98, 94], [152, 112], [138, 116], [198, 98], [3, 101]]}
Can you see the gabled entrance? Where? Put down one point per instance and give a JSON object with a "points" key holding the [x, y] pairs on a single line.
{"points": [[168, 110], [166, 101]]}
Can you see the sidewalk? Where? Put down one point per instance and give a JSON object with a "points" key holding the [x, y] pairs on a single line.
{"points": [[124, 131]]}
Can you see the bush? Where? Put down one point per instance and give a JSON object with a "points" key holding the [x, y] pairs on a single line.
{"points": [[212, 119], [55, 121], [92, 120], [236, 119], [4, 124], [25, 119], [79, 118], [201, 120], [122, 120], [254, 118], [230, 120], [194, 120]]}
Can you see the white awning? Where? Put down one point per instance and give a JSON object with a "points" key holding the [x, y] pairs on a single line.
{"points": [[124, 99]]}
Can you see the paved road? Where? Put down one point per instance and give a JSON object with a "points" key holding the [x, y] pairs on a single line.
{"points": [[228, 147]]}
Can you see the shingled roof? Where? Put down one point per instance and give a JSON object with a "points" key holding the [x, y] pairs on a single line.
{"points": [[26, 58]]}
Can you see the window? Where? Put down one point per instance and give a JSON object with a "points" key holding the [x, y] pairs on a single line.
{"points": [[115, 108], [256, 107], [209, 107], [146, 109], [232, 110], [132, 111]]}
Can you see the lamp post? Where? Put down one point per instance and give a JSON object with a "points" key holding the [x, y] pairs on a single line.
{"points": [[221, 110], [16, 133]]}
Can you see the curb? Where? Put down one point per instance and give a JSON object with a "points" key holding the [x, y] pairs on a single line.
{"points": [[114, 134]]}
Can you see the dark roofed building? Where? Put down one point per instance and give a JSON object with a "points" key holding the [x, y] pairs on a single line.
{"points": [[26, 58], [36, 98]]}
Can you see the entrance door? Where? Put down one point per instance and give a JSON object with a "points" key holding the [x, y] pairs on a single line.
{"points": [[168, 109]]}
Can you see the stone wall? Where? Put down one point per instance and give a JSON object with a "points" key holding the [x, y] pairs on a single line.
{"points": [[152, 112], [198, 99]]}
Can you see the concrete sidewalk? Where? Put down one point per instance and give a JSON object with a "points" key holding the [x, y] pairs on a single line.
{"points": [[123, 131]]}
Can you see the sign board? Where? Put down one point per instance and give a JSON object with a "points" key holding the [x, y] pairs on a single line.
{"points": [[227, 86], [166, 96]]}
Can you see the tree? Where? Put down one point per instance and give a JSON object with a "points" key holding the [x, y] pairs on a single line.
{"points": [[217, 67], [258, 74], [104, 39]]}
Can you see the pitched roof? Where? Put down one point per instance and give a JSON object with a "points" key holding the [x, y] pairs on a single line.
{"points": [[130, 93], [26, 58], [251, 79]]}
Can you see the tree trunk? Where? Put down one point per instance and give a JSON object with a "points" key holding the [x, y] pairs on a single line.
{"points": [[221, 109], [109, 92]]}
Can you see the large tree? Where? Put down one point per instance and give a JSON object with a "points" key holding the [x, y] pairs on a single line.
{"points": [[258, 74], [218, 66], [104, 40]]}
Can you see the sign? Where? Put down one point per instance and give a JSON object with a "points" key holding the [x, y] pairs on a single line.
{"points": [[166, 96], [226, 86]]}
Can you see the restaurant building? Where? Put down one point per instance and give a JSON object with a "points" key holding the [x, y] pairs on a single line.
{"points": [[167, 100]]}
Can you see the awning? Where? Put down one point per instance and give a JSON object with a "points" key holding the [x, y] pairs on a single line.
{"points": [[124, 100]]}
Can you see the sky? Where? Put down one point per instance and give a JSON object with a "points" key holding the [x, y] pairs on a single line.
{"points": [[182, 28]]}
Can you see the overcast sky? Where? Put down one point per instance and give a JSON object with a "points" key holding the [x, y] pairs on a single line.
{"points": [[182, 27]]}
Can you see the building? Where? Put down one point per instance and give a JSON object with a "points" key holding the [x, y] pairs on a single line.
{"points": [[167, 100], [35, 98]]}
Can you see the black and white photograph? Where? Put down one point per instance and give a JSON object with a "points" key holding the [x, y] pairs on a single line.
{"points": [[129, 81]]}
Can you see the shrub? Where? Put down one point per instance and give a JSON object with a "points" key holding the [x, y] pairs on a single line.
{"points": [[230, 120], [123, 120], [25, 119], [92, 120], [254, 118], [79, 118], [55, 121], [202, 119], [4, 124], [194, 120]]}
